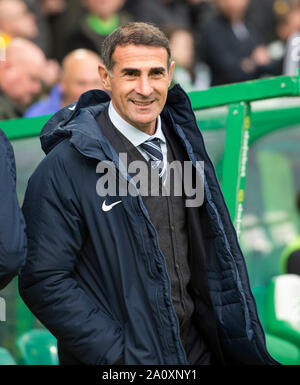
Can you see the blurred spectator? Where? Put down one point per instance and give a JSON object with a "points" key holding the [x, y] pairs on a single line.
{"points": [[62, 17], [43, 38], [291, 62], [189, 73], [16, 20], [288, 32], [199, 12], [101, 18], [159, 12], [234, 49], [288, 23], [190, 14], [79, 74], [20, 79], [52, 7], [51, 75], [261, 14]]}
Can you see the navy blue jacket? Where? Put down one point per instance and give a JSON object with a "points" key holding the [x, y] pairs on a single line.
{"points": [[98, 279], [12, 225]]}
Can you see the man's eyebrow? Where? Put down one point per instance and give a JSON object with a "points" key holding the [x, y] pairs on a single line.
{"points": [[131, 70], [157, 70], [137, 71]]}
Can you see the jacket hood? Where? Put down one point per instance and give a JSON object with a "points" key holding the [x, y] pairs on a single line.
{"points": [[77, 121]]}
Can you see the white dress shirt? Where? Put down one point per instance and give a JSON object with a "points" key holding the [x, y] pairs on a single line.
{"points": [[136, 136]]}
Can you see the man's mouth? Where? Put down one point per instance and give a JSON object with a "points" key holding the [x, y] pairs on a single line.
{"points": [[142, 103]]}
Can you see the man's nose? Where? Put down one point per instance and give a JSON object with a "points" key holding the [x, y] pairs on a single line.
{"points": [[144, 86]]}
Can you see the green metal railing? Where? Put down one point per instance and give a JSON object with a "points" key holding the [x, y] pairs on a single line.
{"points": [[239, 97], [24, 128]]}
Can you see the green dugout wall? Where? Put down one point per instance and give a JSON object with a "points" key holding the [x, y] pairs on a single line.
{"points": [[252, 133]]}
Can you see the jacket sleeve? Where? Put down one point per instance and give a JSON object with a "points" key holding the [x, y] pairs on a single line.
{"points": [[12, 225], [56, 233]]}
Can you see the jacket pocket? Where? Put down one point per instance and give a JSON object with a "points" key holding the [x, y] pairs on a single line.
{"points": [[116, 349]]}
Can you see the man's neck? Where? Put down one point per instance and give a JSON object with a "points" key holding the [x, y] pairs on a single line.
{"points": [[149, 130], [133, 134]]}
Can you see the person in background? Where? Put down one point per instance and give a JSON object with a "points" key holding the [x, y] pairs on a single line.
{"points": [[13, 241], [290, 258], [190, 14], [51, 7], [261, 15], [99, 20], [159, 12], [233, 49], [16, 21], [190, 73], [199, 12], [61, 18], [288, 32], [79, 74], [286, 26], [21, 77]]}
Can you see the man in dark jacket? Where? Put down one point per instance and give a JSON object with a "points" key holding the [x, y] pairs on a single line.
{"points": [[128, 277], [233, 48], [12, 225]]}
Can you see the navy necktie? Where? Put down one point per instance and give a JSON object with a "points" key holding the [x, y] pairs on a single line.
{"points": [[153, 150]]}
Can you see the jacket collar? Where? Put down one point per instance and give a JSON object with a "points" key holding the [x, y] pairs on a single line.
{"points": [[78, 122]]}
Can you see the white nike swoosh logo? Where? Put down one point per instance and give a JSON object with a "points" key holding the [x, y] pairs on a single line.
{"points": [[106, 207]]}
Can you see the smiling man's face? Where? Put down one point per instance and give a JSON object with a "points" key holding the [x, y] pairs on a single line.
{"points": [[139, 84]]}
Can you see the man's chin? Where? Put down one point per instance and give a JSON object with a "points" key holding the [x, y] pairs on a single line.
{"points": [[147, 128], [145, 119]]}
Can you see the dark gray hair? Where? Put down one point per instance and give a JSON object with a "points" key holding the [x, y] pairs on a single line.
{"points": [[135, 33]]}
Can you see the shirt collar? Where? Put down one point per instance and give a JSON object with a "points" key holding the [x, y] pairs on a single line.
{"points": [[133, 134]]}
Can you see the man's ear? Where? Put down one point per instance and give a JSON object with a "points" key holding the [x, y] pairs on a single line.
{"points": [[104, 76], [171, 70]]}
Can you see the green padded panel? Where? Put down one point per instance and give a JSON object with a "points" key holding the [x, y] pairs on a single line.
{"points": [[283, 351], [6, 358], [38, 347], [270, 220], [259, 293], [287, 252], [282, 315], [274, 188]]}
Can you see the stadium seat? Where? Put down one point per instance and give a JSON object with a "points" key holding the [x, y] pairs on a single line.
{"points": [[283, 351], [38, 347], [282, 312], [280, 349], [6, 358]]}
